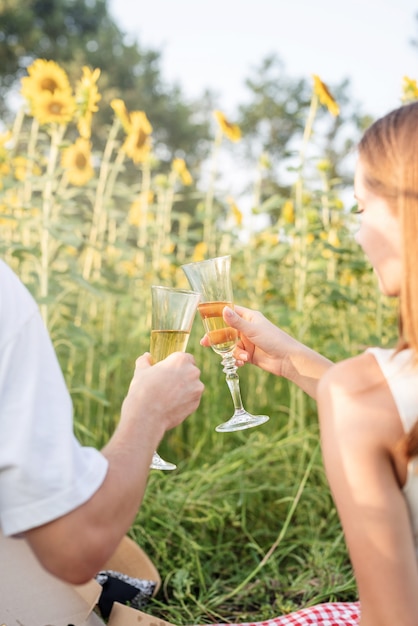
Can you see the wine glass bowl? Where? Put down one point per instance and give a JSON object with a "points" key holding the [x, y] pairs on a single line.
{"points": [[172, 312], [212, 278], [222, 338]]}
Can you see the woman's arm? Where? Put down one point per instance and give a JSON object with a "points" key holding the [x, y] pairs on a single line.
{"points": [[360, 430]]}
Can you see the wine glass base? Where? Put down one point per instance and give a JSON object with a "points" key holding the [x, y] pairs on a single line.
{"points": [[241, 421], [159, 463]]}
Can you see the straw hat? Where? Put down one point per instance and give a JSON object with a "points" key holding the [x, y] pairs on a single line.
{"points": [[131, 560]]}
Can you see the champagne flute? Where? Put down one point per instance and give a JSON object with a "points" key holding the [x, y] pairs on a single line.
{"points": [[172, 313], [212, 278]]}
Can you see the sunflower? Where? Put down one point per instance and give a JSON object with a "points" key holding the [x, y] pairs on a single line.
{"points": [[136, 210], [347, 277], [76, 160], [323, 165], [121, 112], [138, 142], [231, 131], [58, 107], [288, 212], [4, 171], [161, 181], [236, 213], [324, 95], [44, 77], [200, 251], [135, 213], [409, 90], [129, 268], [87, 96], [333, 239], [23, 168], [180, 168]]}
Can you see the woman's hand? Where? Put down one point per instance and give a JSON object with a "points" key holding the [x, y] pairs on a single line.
{"points": [[270, 348], [259, 341]]}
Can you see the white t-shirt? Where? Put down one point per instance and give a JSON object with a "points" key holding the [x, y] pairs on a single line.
{"points": [[44, 471], [402, 377]]}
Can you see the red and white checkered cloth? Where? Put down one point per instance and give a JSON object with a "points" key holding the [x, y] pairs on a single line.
{"points": [[328, 614]]}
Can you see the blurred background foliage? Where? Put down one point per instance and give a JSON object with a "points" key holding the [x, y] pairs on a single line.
{"points": [[109, 181]]}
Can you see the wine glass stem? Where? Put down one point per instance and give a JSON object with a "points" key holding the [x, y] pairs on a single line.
{"points": [[230, 369]]}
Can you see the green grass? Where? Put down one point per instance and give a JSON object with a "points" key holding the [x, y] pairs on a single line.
{"points": [[245, 533]]}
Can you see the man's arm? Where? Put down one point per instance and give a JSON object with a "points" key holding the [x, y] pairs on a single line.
{"points": [[75, 546]]}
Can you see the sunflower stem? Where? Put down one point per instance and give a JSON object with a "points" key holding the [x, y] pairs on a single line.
{"points": [[143, 221], [208, 221], [98, 206], [47, 204]]}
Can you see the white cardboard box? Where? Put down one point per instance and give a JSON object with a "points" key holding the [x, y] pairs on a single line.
{"points": [[30, 596]]}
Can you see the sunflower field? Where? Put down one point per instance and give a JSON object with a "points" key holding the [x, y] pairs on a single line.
{"points": [[245, 529]]}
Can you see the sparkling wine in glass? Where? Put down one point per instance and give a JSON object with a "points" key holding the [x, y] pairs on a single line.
{"points": [[212, 278], [172, 313]]}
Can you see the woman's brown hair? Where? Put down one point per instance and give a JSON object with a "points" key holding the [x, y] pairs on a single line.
{"points": [[389, 155]]}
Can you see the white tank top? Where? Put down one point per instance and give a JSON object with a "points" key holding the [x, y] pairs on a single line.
{"points": [[402, 378]]}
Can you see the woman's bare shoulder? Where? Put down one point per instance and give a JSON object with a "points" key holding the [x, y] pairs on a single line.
{"points": [[355, 374], [354, 396]]}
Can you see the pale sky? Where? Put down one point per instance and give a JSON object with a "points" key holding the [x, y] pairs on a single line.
{"points": [[215, 43]]}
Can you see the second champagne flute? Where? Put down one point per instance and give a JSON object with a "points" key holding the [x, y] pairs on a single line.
{"points": [[213, 279], [172, 312]]}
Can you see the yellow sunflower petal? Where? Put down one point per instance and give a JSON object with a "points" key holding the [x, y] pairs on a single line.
{"points": [[231, 131], [87, 96], [122, 113], [200, 251], [236, 213], [333, 239], [288, 212], [325, 96], [179, 166], [409, 90]]}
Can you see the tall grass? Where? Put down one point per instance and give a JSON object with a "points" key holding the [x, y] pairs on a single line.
{"points": [[249, 533], [246, 528]]}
